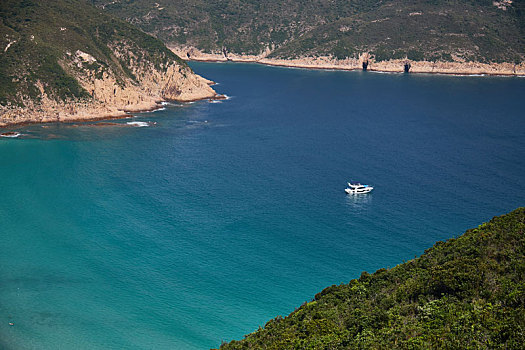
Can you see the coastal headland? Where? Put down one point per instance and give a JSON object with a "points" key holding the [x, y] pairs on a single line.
{"points": [[64, 61], [364, 62], [112, 100]]}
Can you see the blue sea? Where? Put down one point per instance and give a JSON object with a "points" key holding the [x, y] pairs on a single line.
{"points": [[214, 218]]}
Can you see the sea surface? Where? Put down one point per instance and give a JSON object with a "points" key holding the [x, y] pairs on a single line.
{"points": [[200, 222]]}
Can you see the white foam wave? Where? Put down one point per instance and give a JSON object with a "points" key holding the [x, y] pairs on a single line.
{"points": [[138, 124], [383, 72], [170, 104]]}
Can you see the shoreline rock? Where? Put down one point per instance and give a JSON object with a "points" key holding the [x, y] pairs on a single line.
{"points": [[111, 101], [393, 66], [10, 134]]}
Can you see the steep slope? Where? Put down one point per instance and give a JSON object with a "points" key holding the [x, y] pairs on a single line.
{"points": [[65, 59], [240, 26], [464, 293], [421, 30], [461, 31]]}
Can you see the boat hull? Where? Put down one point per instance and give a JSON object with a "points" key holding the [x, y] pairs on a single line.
{"points": [[361, 191]]}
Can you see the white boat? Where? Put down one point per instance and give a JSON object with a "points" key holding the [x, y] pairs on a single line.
{"points": [[357, 188]]}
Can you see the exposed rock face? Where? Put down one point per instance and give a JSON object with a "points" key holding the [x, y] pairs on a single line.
{"points": [[325, 62], [111, 92]]}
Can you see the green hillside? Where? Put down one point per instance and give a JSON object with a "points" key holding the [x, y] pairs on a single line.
{"points": [[40, 41], [465, 293], [471, 30]]}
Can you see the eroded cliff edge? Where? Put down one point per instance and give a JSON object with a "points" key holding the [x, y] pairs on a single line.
{"points": [[106, 95], [66, 60], [365, 61]]}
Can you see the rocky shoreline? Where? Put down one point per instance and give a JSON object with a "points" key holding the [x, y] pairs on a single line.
{"points": [[97, 114], [112, 100], [177, 83], [364, 62]]}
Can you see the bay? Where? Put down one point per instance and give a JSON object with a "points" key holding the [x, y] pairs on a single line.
{"points": [[217, 217]]}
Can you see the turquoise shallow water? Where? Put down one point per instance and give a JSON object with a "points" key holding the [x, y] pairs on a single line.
{"points": [[220, 216]]}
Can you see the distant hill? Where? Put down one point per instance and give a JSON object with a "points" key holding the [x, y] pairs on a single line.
{"points": [[465, 293], [62, 59], [433, 30]]}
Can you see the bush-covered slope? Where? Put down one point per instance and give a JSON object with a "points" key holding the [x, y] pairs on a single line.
{"points": [[471, 30], [421, 30], [68, 60], [242, 26], [465, 293], [44, 45]]}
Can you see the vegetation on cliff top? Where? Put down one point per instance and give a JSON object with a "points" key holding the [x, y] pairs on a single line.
{"points": [[465, 293], [480, 30], [38, 39]]}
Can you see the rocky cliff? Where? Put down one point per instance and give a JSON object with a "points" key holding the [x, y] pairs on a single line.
{"points": [[458, 66], [66, 60]]}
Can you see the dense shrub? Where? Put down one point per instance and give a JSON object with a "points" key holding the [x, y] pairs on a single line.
{"points": [[464, 293]]}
